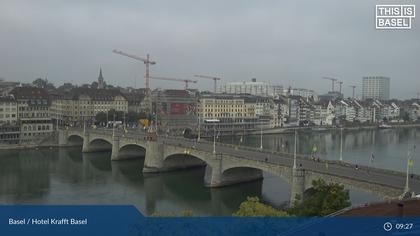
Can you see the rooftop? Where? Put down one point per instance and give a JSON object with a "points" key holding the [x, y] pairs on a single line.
{"points": [[410, 207], [29, 93]]}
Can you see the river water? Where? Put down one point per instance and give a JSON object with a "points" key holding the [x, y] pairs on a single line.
{"points": [[68, 176]]}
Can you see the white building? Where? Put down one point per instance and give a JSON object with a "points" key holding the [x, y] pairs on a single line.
{"points": [[414, 113], [8, 110], [376, 87], [305, 93], [252, 87], [363, 111], [324, 113]]}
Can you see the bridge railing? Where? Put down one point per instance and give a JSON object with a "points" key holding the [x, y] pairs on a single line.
{"points": [[140, 135], [319, 160]]}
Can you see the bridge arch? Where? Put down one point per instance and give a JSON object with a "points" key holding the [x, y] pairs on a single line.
{"points": [[182, 161], [241, 174], [75, 139], [99, 144], [128, 151], [281, 171]]}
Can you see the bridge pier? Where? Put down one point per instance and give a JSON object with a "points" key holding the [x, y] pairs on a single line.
{"points": [[85, 147], [298, 185], [115, 148], [62, 138], [213, 175], [153, 161]]}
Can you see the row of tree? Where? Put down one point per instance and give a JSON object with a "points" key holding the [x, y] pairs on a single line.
{"points": [[45, 84], [130, 117], [324, 199]]}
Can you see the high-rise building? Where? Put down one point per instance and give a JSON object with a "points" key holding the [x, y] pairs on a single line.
{"points": [[376, 87]]}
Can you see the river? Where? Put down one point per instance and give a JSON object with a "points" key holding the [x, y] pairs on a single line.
{"points": [[68, 176]]}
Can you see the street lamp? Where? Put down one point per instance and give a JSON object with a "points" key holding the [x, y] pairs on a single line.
{"points": [[214, 138], [261, 137], [214, 121], [341, 144], [409, 162], [113, 127], [156, 122], [295, 151], [199, 128], [107, 120]]}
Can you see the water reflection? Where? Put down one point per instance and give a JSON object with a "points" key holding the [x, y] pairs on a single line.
{"points": [[388, 146], [66, 176]]}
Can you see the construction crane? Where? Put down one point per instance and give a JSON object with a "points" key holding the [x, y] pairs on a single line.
{"points": [[332, 81], [341, 84], [215, 79], [146, 61], [353, 87], [186, 81]]}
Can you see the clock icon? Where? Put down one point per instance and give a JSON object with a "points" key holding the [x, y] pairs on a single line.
{"points": [[387, 226]]}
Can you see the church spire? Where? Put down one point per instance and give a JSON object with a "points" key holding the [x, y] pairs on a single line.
{"points": [[101, 83]]}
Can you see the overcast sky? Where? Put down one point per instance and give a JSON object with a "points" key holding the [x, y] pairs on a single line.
{"points": [[284, 42]]}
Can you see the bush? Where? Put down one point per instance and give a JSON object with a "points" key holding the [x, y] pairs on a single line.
{"points": [[253, 207]]}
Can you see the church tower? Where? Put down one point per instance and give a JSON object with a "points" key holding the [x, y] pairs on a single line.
{"points": [[101, 82]]}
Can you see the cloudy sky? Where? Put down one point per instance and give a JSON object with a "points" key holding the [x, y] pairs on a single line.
{"points": [[291, 43]]}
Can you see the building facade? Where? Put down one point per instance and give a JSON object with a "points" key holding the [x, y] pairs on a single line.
{"points": [[252, 87], [238, 113], [33, 113], [175, 110], [81, 105], [376, 87], [9, 127], [8, 110]]}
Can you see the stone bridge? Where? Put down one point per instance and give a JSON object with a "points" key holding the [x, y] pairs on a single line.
{"points": [[235, 164]]}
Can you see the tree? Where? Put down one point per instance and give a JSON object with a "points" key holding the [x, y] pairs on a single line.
{"points": [[133, 117], [185, 213], [405, 116], [66, 87], [94, 85], [40, 83], [101, 117], [119, 115], [50, 86], [253, 207], [324, 200]]}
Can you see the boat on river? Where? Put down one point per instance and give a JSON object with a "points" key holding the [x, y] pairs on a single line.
{"points": [[384, 126]]}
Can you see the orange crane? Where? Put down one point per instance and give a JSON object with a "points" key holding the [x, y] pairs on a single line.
{"points": [[146, 61], [209, 77], [186, 81], [332, 80]]}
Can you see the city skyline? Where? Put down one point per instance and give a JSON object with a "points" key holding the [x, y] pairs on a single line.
{"points": [[69, 42]]}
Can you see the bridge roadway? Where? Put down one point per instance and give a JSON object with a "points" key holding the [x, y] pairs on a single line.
{"points": [[248, 163], [390, 178]]}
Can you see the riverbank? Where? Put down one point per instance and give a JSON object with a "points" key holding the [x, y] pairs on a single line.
{"points": [[286, 130], [47, 142], [28, 146]]}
